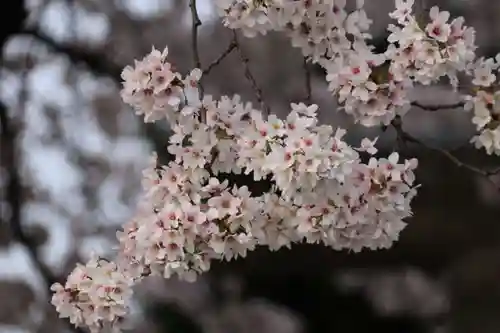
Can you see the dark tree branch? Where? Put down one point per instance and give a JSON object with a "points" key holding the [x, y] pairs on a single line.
{"points": [[405, 137], [433, 108], [194, 33], [217, 61], [307, 79], [196, 52], [248, 74]]}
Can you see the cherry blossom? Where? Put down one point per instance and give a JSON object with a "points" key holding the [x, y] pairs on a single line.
{"points": [[320, 191]]}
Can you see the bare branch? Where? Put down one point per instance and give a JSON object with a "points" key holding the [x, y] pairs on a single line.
{"points": [[196, 52], [216, 62], [433, 108], [307, 75], [194, 35], [404, 136], [248, 74]]}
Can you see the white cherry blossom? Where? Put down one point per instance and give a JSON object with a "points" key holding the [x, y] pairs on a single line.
{"points": [[321, 190]]}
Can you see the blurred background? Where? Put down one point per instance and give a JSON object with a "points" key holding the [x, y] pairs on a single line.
{"points": [[72, 155]]}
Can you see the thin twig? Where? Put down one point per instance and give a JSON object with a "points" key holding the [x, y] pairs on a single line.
{"points": [[404, 136], [196, 52], [433, 108], [307, 76], [194, 33], [216, 62], [248, 74]]}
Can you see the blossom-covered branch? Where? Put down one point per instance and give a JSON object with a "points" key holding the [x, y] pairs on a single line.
{"points": [[322, 191]]}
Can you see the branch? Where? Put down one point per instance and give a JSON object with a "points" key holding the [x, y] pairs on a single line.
{"points": [[248, 74], [404, 136], [307, 75], [216, 62], [433, 108], [194, 35], [196, 52]]}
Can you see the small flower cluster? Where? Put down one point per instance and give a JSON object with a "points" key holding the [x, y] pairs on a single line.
{"points": [[486, 104], [151, 87], [95, 295], [189, 216], [251, 17], [425, 55]]}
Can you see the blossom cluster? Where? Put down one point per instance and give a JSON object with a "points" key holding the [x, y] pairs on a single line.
{"points": [[486, 104], [425, 55], [371, 87], [95, 295], [155, 90], [330, 35], [322, 192], [320, 188]]}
